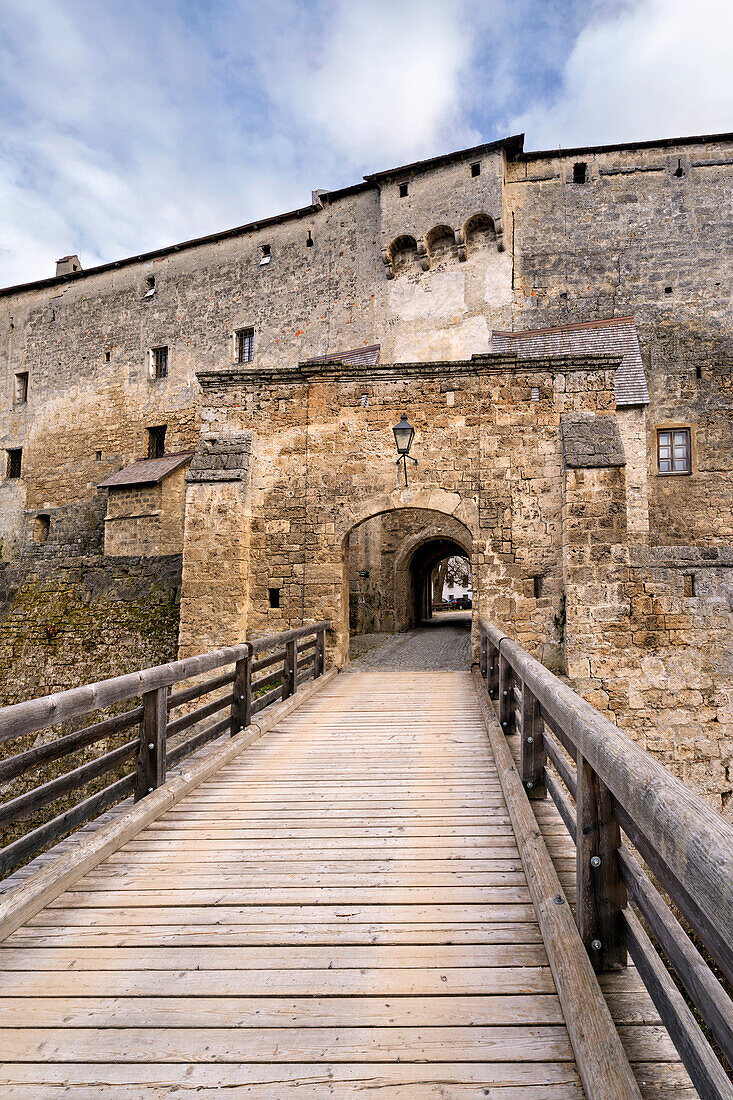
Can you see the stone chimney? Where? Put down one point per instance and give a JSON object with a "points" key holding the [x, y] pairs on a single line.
{"points": [[67, 264]]}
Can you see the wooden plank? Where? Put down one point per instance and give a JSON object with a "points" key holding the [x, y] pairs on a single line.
{"points": [[509, 948], [77, 899], [170, 1045], [600, 1058], [30, 896], [468, 1080], [179, 1009], [454, 913]]}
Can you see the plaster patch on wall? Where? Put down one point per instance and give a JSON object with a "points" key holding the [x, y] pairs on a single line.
{"points": [[438, 294], [498, 280], [458, 341]]}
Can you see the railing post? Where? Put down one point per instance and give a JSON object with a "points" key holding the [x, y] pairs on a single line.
{"points": [[150, 765], [506, 696], [483, 660], [493, 674], [290, 678], [319, 665], [601, 890], [242, 694], [534, 757]]}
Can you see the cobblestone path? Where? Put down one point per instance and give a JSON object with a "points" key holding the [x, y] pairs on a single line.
{"points": [[441, 644]]}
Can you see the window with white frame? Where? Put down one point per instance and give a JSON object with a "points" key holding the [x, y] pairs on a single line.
{"points": [[673, 451]]}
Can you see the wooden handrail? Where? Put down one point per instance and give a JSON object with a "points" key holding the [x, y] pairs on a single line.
{"points": [[604, 783], [246, 697]]}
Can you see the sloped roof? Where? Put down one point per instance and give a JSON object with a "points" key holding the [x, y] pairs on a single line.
{"points": [[146, 471], [357, 357], [612, 336]]}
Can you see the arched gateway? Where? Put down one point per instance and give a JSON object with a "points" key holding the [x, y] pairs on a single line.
{"points": [[294, 465]]}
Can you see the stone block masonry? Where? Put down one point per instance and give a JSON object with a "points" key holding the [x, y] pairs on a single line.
{"points": [[376, 300]]}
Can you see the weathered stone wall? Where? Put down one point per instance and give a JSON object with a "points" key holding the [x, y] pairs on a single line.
{"points": [[322, 462], [647, 235], [70, 621]]}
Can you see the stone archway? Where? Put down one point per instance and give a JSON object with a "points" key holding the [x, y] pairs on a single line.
{"points": [[385, 552]]}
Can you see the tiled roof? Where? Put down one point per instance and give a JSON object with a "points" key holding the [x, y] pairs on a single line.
{"points": [[358, 357], [146, 471], [613, 336]]}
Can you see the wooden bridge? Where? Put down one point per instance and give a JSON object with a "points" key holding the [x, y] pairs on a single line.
{"points": [[354, 893]]}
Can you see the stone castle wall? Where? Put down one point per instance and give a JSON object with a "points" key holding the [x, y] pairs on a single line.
{"points": [[571, 252], [291, 461]]}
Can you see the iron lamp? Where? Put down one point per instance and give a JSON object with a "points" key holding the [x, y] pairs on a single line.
{"points": [[404, 433]]}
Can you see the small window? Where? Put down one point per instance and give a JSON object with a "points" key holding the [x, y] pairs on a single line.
{"points": [[265, 255], [673, 451], [98, 456], [107, 356], [698, 371], [149, 287], [20, 391], [245, 345], [14, 462], [580, 172], [688, 582], [475, 169], [309, 240], [156, 441], [159, 362], [537, 587], [668, 290], [274, 597], [403, 190], [534, 393], [41, 528]]}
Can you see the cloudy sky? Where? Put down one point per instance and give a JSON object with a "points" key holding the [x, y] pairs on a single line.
{"points": [[130, 124]]}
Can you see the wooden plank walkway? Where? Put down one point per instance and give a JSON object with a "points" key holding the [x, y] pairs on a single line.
{"points": [[340, 910]]}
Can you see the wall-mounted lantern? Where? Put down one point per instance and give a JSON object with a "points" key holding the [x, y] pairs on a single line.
{"points": [[404, 433]]}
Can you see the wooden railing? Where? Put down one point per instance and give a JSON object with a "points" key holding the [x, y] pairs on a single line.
{"points": [[603, 785], [248, 678]]}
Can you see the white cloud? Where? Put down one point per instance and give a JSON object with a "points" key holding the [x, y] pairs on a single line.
{"points": [[640, 70], [384, 83]]}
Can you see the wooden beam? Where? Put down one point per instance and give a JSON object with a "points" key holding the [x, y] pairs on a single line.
{"points": [[602, 1064]]}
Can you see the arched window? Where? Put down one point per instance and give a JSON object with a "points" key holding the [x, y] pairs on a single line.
{"points": [[479, 231], [441, 242], [41, 528], [403, 253]]}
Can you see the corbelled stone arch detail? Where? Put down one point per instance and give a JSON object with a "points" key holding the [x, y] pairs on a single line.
{"points": [[479, 231], [441, 243]]}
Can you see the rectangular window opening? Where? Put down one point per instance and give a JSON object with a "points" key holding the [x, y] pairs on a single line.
{"points": [[245, 345], [274, 597], [14, 462], [265, 255], [107, 356], [403, 190], [475, 169], [689, 584], [580, 172], [673, 451], [159, 361], [156, 441], [20, 392], [537, 586], [698, 372], [535, 393]]}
